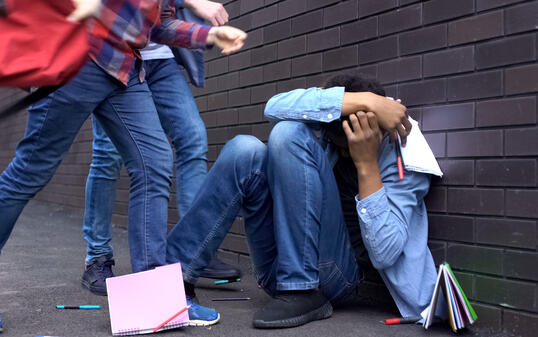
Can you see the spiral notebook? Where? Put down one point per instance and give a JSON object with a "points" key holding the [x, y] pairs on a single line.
{"points": [[140, 302]]}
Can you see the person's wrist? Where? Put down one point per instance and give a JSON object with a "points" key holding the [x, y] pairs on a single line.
{"points": [[366, 101], [366, 167], [211, 35]]}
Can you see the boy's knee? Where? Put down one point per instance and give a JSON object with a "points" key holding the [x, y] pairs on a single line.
{"points": [[245, 146], [287, 134]]}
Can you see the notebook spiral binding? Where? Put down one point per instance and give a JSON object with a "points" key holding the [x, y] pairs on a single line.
{"points": [[137, 331]]}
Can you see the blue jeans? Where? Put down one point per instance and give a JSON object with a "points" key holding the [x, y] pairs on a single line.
{"points": [[313, 251], [128, 115], [181, 121]]}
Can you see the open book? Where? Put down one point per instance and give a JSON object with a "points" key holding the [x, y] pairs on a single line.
{"points": [[460, 311], [141, 302]]}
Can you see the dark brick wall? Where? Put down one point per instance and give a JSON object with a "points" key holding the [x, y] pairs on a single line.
{"points": [[467, 71]]}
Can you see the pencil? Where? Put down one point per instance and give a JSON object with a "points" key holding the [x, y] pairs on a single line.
{"points": [[171, 318], [231, 299]]}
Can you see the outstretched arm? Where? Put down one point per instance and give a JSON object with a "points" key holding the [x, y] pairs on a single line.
{"points": [[178, 33]]}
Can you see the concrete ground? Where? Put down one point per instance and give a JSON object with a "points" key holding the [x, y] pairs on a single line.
{"points": [[41, 266]]}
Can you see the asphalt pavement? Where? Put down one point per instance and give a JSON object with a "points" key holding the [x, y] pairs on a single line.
{"points": [[41, 265]]}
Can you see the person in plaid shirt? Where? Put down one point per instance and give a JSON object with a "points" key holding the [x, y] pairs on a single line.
{"points": [[111, 86]]}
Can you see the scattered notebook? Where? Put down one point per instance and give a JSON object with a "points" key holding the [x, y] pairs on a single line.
{"points": [[417, 154], [460, 312], [140, 302]]}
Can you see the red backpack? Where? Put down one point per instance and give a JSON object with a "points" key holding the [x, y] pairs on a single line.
{"points": [[38, 46]]}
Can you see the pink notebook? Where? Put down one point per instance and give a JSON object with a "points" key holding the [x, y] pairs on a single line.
{"points": [[140, 302]]}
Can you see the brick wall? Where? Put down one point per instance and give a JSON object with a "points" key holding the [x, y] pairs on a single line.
{"points": [[467, 71]]}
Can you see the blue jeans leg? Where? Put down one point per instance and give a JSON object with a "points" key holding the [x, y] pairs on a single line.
{"points": [[100, 194], [51, 128], [180, 119], [130, 120], [182, 123], [314, 249], [235, 182], [128, 115]]}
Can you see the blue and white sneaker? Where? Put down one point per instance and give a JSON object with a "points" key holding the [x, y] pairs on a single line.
{"points": [[1, 325], [201, 316]]}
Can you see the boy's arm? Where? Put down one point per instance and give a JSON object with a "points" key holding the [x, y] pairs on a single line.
{"points": [[178, 33], [384, 203], [327, 105], [390, 114], [306, 105]]}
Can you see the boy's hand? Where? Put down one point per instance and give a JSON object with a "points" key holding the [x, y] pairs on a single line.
{"points": [[391, 115], [364, 138], [364, 141], [83, 9], [227, 38], [213, 12]]}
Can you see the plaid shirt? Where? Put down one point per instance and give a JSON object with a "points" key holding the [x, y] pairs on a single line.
{"points": [[124, 26]]}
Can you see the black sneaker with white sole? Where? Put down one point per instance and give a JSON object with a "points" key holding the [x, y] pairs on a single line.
{"points": [[293, 308]]}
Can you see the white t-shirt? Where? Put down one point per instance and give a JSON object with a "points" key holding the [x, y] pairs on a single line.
{"points": [[155, 51]]}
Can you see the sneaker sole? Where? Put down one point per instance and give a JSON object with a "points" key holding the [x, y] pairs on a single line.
{"points": [[197, 322], [88, 286], [323, 312]]}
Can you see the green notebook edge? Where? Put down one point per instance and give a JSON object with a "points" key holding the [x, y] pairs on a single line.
{"points": [[469, 306]]}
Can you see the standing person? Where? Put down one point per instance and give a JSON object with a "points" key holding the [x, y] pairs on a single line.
{"points": [[112, 87], [307, 246], [181, 122]]}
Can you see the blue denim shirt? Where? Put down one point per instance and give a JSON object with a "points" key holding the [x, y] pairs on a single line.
{"points": [[190, 59], [393, 220]]}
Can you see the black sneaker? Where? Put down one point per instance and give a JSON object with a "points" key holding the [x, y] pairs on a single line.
{"points": [[96, 273], [293, 308], [220, 270]]}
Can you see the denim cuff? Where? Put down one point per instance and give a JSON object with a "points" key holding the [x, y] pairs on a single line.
{"points": [[331, 103], [372, 206], [369, 210]]}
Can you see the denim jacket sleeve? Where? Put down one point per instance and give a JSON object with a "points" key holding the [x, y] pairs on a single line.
{"points": [[384, 215], [306, 105]]}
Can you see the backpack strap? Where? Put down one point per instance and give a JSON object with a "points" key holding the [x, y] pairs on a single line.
{"points": [[27, 100], [3, 9]]}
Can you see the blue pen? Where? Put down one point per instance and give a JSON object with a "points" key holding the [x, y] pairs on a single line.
{"points": [[78, 307], [227, 281]]}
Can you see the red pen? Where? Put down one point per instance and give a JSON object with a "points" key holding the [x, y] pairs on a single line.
{"points": [[402, 320], [399, 159]]}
